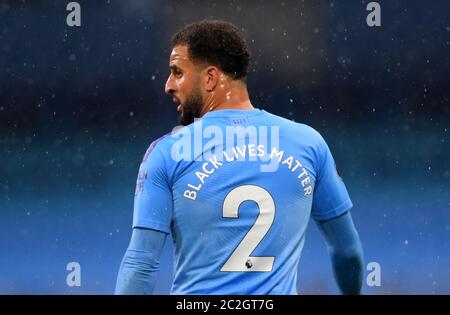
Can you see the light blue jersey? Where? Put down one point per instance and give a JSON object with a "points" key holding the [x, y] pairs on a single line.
{"points": [[236, 190]]}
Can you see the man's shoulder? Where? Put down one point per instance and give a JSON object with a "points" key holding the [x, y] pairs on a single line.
{"points": [[295, 129], [163, 146], [158, 146]]}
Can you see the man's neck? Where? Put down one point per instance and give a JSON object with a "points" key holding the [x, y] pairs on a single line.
{"points": [[246, 105], [235, 98]]}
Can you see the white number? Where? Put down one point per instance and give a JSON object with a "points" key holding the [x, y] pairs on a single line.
{"points": [[240, 259]]}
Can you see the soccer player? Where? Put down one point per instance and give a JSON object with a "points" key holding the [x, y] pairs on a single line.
{"points": [[235, 187]]}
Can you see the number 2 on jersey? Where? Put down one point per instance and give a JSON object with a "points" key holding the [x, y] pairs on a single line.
{"points": [[240, 260]]}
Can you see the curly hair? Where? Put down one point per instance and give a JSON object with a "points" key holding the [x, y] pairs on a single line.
{"points": [[218, 43]]}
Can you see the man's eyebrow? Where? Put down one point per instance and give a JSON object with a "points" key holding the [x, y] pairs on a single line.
{"points": [[174, 67]]}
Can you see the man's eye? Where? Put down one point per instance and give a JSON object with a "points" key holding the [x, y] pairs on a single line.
{"points": [[176, 72]]}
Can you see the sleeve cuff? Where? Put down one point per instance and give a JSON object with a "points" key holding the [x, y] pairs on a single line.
{"points": [[151, 225], [339, 210]]}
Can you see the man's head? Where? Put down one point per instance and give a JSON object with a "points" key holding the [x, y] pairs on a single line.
{"points": [[204, 56]]}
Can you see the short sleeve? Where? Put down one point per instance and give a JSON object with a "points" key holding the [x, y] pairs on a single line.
{"points": [[153, 204], [330, 198]]}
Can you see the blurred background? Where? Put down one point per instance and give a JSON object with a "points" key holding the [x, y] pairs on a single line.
{"points": [[80, 105]]}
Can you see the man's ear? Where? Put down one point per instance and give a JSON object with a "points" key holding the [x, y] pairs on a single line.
{"points": [[212, 78]]}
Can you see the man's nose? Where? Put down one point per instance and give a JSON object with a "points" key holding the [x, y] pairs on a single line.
{"points": [[170, 87]]}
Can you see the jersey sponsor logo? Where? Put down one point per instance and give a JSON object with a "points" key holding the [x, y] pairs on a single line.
{"points": [[142, 177]]}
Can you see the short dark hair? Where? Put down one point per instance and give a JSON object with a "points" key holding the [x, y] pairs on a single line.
{"points": [[218, 43]]}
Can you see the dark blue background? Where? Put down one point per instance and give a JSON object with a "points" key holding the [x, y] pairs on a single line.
{"points": [[79, 106]]}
